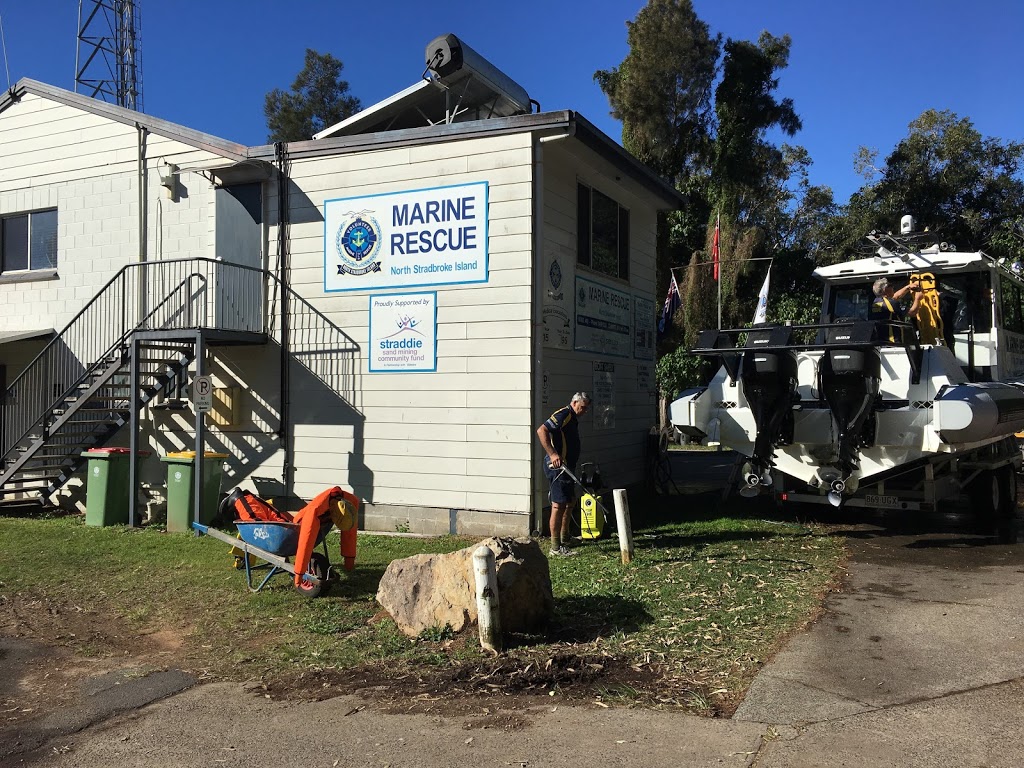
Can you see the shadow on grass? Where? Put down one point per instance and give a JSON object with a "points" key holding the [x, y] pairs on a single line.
{"points": [[359, 584], [933, 528], [31, 508], [582, 619]]}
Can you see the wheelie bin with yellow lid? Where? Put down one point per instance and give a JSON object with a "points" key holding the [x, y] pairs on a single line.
{"points": [[180, 495]]}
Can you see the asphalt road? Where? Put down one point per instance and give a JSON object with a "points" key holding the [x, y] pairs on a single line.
{"points": [[918, 661]]}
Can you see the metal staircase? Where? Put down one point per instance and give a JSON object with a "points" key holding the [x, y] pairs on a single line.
{"points": [[78, 392]]}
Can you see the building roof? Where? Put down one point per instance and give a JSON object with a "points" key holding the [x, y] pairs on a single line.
{"points": [[566, 122], [130, 117]]}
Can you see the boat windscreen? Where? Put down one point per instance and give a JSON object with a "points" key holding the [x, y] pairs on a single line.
{"points": [[965, 300]]}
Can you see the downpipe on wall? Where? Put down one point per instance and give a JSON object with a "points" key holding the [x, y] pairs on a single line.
{"points": [[537, 326]]}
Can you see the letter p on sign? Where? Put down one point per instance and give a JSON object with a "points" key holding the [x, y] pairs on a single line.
{"points": [[202, 393]]}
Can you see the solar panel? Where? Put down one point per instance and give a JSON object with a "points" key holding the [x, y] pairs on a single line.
{"points": [[458, 85]]}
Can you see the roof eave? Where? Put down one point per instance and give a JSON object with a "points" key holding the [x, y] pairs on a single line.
{"points": [[564, 120], [600, 142]]}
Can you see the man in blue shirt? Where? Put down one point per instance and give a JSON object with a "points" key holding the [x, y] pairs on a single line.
{"points": [[560, 438]]}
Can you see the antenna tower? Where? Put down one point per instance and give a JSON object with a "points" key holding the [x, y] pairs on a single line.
{"points": [[108, 58]]}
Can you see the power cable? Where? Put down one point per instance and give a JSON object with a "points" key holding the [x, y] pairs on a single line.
{"points": [[3, 44]]}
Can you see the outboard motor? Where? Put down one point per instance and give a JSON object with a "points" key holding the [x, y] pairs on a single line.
{"points": [[850, 379], [768, 379]]}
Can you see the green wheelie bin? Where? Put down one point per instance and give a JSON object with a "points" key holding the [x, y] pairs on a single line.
{"points": [[107, 494], [180, 496]]}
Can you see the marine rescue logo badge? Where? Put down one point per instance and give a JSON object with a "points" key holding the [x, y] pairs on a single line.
{"points": [[555, 274], [358, 244]]}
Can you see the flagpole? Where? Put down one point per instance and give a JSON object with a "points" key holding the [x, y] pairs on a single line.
{"points": [[718, 271], [719, 301]]}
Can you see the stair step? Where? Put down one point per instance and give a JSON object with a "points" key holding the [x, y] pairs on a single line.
{"points": [[32, 467], [6, 490], [102, 409], [67, 455]]}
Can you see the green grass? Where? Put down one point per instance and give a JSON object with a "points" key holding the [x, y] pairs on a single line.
{"points": [[706, 599]]}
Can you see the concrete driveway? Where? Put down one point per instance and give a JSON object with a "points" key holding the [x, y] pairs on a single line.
{"points": [[918, 662]]}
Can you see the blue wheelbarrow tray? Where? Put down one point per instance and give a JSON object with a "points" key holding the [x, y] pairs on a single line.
{"points": [[280, 539]]}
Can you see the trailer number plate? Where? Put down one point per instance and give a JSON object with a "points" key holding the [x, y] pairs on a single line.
{"points": [[888, 502]]}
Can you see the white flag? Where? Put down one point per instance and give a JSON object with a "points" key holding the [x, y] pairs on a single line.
{"points": [[761, 313]]}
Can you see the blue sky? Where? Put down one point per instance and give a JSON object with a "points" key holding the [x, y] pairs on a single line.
{"points": [[859, 71]]}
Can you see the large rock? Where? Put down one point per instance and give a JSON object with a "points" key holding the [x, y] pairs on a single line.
{"points": [[426, 591]]}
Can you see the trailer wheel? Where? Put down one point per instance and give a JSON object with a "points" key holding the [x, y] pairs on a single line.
{"points": [[1010, 479], [1006, 517], [987, 493], [318, 566], [994, 500]]}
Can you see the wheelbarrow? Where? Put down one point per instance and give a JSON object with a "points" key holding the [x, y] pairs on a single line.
{"points": [[275, 542], [274, 536]]}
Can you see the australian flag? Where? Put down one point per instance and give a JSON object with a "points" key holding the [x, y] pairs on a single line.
{"points": [[672, 303]]}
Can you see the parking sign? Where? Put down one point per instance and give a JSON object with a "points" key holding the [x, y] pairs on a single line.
{"points": [[202, 393]]}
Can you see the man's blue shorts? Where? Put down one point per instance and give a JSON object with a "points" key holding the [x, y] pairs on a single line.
{"points": [[563, 489]]}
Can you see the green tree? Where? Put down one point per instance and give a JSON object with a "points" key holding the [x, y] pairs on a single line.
{"points": [[966, 188], [710, 142], [662, 89], [748, 171], [318, 99], [662, 93], [679, 370]]}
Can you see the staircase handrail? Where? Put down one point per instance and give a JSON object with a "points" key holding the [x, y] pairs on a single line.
{"points": [[121, 342], [52, 348]]}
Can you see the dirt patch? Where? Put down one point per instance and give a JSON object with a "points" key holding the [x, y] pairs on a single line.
{"points": [[48, 648], [83, 641], [491, 691]]}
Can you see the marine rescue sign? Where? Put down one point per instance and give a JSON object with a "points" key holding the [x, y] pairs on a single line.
{"points": [[434, 236]]}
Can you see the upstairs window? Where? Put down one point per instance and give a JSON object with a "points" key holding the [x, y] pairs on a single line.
{"points": [[602, 233], [28, 241]]}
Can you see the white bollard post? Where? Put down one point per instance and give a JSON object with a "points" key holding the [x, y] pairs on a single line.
{"points": [[487, 600], [624, 525]]}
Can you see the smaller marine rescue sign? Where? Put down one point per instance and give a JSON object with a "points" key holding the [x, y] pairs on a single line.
{"points": [[403, 333], [398, 240]]}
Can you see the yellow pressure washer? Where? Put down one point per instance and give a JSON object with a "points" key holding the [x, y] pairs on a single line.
{"points": [[593, 513]]}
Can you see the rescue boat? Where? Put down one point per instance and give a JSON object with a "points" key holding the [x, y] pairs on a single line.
{"points": [[855, 411]]}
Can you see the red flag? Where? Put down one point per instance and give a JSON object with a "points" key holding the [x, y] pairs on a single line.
{"points": [[714, 247]]}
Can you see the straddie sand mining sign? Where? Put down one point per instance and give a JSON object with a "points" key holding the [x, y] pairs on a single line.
{"points": [[403, 333], [420, 237]]}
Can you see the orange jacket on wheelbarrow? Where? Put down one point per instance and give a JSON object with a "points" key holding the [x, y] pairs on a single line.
{"points": [[333, 506]]}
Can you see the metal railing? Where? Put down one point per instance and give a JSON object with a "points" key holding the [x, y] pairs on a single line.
{"points": [[321, 347], [178, 294]]}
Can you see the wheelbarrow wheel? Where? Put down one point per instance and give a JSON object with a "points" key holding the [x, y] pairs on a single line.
{"points": [[318, 566]]}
